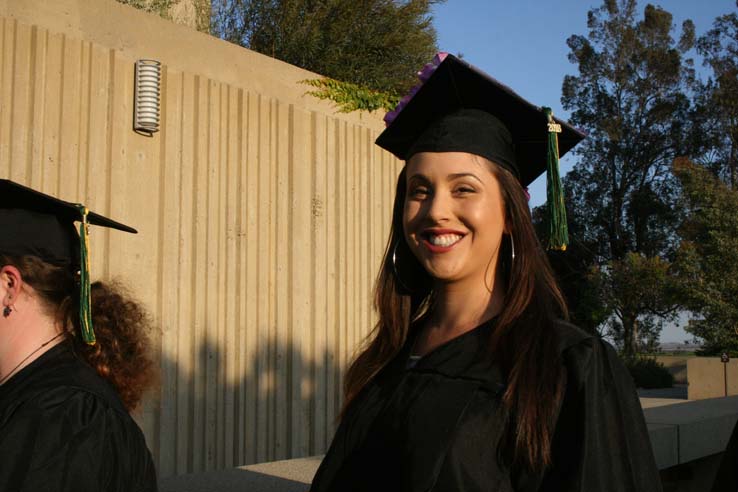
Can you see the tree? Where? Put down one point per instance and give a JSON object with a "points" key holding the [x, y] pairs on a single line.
{"points": [[578, 277], [631, 97], [604, 295], [717, 99], [642, 285], [707, 258], [377, 44]]}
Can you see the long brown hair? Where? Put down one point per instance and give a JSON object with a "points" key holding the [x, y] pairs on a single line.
{"points": [[122, 354], [523, 340]]}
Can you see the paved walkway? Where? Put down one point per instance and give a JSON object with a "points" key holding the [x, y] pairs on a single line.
{"points": [[679, 391], [659, 397], [279, 476]]}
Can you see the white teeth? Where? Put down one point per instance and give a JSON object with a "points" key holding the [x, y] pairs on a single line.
{"points": [[444, 240]]}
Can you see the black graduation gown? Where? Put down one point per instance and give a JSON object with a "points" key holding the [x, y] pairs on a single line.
{"points": [[437, 426], [63, 428]]}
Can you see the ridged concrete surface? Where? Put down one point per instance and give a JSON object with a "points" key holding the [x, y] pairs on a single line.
{"points": [[262, 218]]}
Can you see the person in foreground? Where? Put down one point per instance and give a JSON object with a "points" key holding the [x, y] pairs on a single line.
{"points": [[472, 380], [68, 376]]}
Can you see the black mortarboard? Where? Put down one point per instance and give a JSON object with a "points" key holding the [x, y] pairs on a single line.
{"points": [[460, 108], [37, 224]]}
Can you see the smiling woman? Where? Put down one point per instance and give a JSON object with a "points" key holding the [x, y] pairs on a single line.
{"points": [[454, 221], [472, 379]]}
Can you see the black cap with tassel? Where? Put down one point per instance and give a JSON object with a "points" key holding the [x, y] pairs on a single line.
{"points": [[460, 108], [37, 224]]}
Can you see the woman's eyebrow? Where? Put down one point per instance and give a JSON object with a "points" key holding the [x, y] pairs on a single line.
{"points": [[454, 176], [418, 177]]}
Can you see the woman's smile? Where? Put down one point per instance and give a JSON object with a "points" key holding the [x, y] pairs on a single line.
{"points": [[441, 240]]}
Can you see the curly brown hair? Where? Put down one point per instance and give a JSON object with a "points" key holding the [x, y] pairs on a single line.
{"points": [[122, 354]]}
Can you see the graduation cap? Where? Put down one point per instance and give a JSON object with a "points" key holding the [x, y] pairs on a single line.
{"points": [[461, 109], [37, 224]]}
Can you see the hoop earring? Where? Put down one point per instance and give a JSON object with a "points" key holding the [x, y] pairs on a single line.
{"points": [[394, 267], [512, 247]]}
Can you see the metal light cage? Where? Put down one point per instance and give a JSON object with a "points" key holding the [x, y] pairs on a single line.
{"points": [[147, 96]]}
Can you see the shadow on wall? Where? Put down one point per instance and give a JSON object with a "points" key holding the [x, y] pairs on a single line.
{"points": [[236, 407]]}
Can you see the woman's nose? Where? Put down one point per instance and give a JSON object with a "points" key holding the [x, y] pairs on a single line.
{"points": [[439, 207]]}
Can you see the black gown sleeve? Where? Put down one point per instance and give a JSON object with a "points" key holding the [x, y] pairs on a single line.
{"points": [[71, 440], [601, 441]]}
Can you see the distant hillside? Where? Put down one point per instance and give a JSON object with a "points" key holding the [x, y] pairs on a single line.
{"points": [[678, 347]]}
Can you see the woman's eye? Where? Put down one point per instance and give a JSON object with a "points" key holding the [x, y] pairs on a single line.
{"points": [[419, 192], [464, 190]]}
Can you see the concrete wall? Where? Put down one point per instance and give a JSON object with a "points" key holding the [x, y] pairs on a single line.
{"points": [[707, 377], [262, 217], [676, 365]]}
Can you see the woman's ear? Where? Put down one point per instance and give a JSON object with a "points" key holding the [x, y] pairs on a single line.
{"points": [[11, 284]]}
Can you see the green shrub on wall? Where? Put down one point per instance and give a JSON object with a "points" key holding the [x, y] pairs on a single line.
{"points": [[159, 7], [648, 373], [351, 97], [192, 13]]}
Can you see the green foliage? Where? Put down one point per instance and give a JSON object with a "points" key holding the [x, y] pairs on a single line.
{"points": [[574, 271], [707, 259], [631, 97], [351, 97], [709, 248], [202, 15], [717, 100], [377, 44], [158, 7], [649, 373], [641, 285], [196, 12]]}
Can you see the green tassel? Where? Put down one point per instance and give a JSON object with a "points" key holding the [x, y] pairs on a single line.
{"points": [[85, 309], [558, 232]]}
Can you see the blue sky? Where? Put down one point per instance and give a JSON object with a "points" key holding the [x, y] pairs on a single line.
{"points": [[522, 44]]}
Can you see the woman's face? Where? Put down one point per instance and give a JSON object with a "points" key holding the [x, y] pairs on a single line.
{"points": [[454, 215]]}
